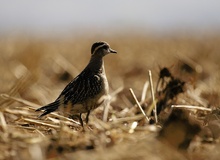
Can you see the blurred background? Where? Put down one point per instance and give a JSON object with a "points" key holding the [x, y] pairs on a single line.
{"points": [[65, 17], [147, 35]]}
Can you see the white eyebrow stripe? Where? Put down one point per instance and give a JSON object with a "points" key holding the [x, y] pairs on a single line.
{"points": [[98, 48]]}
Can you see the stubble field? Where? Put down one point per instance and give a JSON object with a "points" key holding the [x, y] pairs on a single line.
{"points": [[34, 72]]}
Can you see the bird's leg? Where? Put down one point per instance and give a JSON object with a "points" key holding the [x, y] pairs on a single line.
{"points": [[87, 117], [80, 119]]}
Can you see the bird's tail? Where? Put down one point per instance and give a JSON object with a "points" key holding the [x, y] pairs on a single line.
{"points": [[49, 108]]}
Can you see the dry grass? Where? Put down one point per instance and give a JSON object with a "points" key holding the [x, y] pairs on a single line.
{"points": [[33, 72]]}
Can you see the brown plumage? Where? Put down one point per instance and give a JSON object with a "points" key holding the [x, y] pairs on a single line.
{"points": [[86, 91]]}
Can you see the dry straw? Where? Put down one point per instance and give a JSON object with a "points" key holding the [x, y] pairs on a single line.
{"points": [[116, 130]]}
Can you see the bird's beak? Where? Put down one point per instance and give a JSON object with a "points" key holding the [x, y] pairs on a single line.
{"points": [[112, 51]]}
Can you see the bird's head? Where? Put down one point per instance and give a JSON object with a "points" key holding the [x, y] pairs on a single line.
{"points": [[101, 49]]}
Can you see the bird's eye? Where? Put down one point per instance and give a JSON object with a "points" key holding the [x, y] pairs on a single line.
{"points": [[105, 47]]}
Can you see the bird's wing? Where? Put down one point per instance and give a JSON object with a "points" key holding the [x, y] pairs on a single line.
{"points": [[81, 88]]}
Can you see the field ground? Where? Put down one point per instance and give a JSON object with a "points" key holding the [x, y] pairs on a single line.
{"points": [[34, 71]]}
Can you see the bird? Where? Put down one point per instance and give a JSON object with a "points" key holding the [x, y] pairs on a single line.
{"points": [[86, 91]]}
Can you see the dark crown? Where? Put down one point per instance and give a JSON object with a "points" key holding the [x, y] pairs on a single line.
{"points": [[96, 45]]}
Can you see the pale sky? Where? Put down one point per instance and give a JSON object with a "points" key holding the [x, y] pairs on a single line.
{"points": [[74, 16]]}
